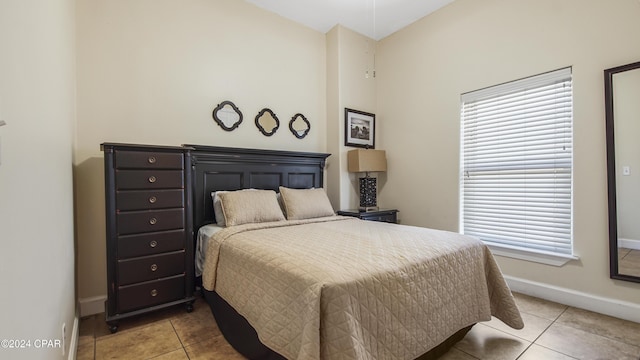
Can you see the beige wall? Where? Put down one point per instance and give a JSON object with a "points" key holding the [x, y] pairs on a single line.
{"points": [[470, 44], [350, 84], [37, 101], [151, 71]]}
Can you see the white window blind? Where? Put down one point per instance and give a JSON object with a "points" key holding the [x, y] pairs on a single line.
{"points": [[516, 178]]}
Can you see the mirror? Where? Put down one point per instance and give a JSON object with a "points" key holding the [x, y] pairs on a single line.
{"points": [[267, 122], [622, 91], [227, 115], [299, 126]]}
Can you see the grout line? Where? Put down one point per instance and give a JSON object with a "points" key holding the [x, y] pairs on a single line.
{"points": [[176, 333], [579, 329], [588, 330], [543, 331], [547, 328], [531, 343], [559, 352], [462, 351], [524, 351], [184, 349], [562, 313]]}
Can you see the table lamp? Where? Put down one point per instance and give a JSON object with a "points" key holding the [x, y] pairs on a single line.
{"points": [[366, 161]]}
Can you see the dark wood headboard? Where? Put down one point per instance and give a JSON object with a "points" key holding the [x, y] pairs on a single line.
{"points": [[223, 168]]}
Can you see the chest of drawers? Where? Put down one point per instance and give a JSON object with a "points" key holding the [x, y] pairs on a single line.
{"points": [[149, 230]]}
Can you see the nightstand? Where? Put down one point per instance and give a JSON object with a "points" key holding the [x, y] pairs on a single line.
{"points": [[383, 215]]}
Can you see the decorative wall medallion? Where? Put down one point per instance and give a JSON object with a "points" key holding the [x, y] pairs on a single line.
{"points": [[299, 126], [267, 122], [227, 115]]}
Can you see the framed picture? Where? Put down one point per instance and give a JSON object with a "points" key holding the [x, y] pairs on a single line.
{"points": [[359, 129]]}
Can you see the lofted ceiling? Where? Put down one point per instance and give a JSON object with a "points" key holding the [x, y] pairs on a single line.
{"points": [[374, 18]]}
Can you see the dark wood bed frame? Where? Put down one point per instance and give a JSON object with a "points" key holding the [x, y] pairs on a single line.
{"points": [[224, 168]]}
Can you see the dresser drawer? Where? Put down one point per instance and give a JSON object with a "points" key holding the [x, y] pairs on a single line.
{"points": [[151, 293], [132, 222], [150, 243], [390, 218], [150, 267], [384, 215], [149, 199], [149, 179], [148, 160]]}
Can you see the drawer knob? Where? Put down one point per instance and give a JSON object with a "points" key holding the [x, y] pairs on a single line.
{"points": [[152, 179], [154, 267], [153, 221], [152, 159], [154, 292], [153, 199], [153, 243]]}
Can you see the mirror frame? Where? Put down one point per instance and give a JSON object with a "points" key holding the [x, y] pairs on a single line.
{"points": [[262, 129], [293, 131], [220, 122], [611, 171]]}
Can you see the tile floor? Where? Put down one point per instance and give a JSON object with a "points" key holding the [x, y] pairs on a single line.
{"points": [[552, 331]]}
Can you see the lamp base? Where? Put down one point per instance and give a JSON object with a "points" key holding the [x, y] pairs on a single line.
{"points": [[368, 194]]}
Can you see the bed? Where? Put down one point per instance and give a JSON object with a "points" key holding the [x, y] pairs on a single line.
{"points": [[312, 285]]}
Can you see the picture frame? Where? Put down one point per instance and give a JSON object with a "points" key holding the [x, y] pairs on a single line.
{"points": [[359, 129]]}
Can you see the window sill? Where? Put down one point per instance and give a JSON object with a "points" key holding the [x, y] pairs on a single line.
{"points": [[533, 256]]}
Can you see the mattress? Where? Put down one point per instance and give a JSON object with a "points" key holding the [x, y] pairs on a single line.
{"points": [[344, 288], [204, 234]]}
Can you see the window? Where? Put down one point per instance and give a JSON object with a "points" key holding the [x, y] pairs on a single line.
{"points": [[516, 166]]}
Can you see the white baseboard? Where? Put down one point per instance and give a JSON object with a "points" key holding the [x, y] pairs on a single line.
{"points": [[607, 306], [629, 243], [92, 305], [75, 335]]}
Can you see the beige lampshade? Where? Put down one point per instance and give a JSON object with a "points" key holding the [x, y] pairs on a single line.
{"points": [[368, 160]]}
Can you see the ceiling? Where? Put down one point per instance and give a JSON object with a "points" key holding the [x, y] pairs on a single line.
{"points": [[373, 18]]}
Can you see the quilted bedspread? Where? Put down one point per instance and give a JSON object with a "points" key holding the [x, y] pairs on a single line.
{"points": [[344, 288]]}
